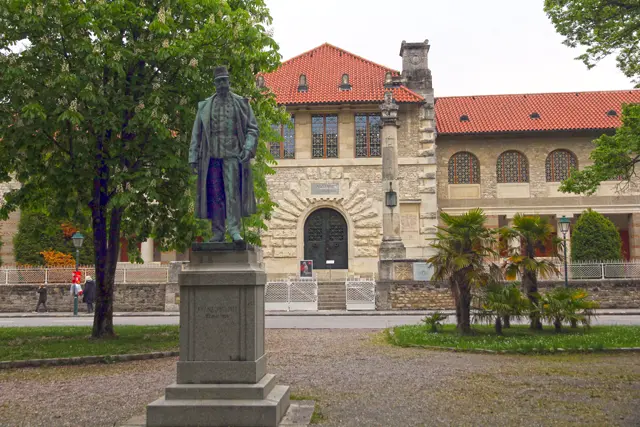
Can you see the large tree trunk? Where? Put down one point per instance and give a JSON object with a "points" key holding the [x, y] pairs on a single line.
{"points": [[455, 293], [106, 238], [530, 282]]}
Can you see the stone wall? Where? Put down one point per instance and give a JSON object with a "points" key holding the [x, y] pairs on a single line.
{"points": [[410, 295], [127, 297]]}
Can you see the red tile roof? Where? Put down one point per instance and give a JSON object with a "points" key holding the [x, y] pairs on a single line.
{"points": [[324, 67], [511, 113]]}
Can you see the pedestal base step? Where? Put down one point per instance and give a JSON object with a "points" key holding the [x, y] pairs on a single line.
{"points": [[220, 412], [259, 390]]}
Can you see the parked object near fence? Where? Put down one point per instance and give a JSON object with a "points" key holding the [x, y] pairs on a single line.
{"points": [[361, 294], [134, 273], [293, 294]]}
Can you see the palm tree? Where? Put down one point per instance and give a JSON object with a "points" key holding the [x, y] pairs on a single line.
{"points": [[463, 246], [533, 232]]}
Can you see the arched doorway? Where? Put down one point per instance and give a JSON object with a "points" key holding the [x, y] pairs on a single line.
{"points": [[325, 238]]}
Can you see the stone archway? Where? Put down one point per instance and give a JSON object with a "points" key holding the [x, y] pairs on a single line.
{"points": [[326, 238]]}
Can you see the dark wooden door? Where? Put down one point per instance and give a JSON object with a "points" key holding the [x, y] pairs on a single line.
{"points": [[325, 238]]}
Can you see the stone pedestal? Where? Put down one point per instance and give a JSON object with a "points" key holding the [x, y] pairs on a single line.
{"points": [[221, 379]]}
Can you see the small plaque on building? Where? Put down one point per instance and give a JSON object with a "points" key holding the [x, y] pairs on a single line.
{"points": [[325, 189], [422, 271]]}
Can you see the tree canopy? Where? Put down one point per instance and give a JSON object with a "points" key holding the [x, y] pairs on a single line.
{"points": [[98, 103], [604, 27], [594, 237]]}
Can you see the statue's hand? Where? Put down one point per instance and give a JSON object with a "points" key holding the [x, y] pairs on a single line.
{"points": [[245, 156], [194, 168]]}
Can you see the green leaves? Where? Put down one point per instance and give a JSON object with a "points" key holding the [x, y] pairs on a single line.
{"points": [[110, 88], [603, 27], [594, 237]]}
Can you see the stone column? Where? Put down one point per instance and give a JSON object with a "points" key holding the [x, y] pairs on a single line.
{"points": [[634, 236], [515, 242], [146, 251], [391, 247], [222, 378]]}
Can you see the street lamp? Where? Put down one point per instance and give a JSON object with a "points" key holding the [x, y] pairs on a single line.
{"points": [[564, 229], [78, 239]]}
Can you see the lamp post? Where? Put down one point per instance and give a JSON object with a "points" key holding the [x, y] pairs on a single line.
{"points": [[78, 239], [564, 229]]}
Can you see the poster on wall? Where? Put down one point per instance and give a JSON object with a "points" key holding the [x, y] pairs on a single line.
{"points": [[306, 268]]}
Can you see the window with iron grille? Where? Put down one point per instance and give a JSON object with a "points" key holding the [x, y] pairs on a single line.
{"points": [[287, 148], [368, 135], [559, 164], [464, 168], [324, 136], [512, 166]]}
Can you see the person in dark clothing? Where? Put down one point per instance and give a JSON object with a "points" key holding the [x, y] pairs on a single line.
{"points": [[42, 298], [89, 293]]}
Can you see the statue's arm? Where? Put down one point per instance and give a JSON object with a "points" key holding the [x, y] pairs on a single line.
{"points": [[196, 137], [251, 139]]}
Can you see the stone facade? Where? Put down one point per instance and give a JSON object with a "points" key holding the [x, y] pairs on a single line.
{"points": [[501, 201], [358, 196], [8, 228]]}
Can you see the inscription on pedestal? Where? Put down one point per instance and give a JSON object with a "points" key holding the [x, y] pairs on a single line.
{"points": [[218, 329]]}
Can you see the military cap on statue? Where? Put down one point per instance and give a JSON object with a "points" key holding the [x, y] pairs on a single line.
{"points": [[220, 72]]}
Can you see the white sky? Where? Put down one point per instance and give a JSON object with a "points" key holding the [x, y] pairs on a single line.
{"points": [[477, 47]]}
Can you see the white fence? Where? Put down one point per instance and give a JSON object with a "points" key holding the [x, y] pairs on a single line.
{"points": [[361, 294], [599, 270], [294, 294], [134, 273]]}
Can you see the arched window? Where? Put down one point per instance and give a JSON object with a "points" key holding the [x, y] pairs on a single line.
{"points": [[464, 168], [512, 166], [559, 164]]}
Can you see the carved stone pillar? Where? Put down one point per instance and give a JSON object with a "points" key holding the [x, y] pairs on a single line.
{"points": [[391, 246]]}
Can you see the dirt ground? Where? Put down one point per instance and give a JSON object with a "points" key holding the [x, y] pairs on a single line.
{"points": [[357, 380]]}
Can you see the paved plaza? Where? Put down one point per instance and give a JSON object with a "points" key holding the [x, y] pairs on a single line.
{"points": [[357, 380]]}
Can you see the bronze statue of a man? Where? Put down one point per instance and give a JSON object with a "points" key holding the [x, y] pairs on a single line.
{"points": [[224, 139]]}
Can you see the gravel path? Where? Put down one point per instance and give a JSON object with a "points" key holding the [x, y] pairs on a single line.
{"points": [[358, 381]]}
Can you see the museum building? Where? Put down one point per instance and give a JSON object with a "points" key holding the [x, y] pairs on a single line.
{"points": [[504, 153]]}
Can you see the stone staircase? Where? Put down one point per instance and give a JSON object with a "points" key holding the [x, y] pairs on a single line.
{"points": [[332, 296]]}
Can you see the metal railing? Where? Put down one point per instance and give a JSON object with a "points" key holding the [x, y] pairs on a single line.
{"points": [[293, 294], [360, 293], [598, 270], [133, 273]]}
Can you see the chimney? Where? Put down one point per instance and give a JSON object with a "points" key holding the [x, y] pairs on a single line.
{"points": [[415, 67]]}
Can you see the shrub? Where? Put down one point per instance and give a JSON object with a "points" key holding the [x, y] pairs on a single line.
{"points": [[566, 305], [595, 237], [434, 321], [501, 302], [39, 232], [58, 259]]}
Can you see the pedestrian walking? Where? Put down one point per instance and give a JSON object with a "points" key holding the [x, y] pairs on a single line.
{"points": [[89, 295], [42, 298]]}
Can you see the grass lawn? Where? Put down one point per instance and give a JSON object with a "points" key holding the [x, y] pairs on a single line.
{"points": [[72, 341], [518, 338]]}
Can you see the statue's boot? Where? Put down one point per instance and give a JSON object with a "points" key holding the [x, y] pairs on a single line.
{"points": [[236, 237]]}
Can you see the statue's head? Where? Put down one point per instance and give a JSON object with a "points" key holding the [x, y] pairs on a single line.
{"points": [[221, 80]]}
